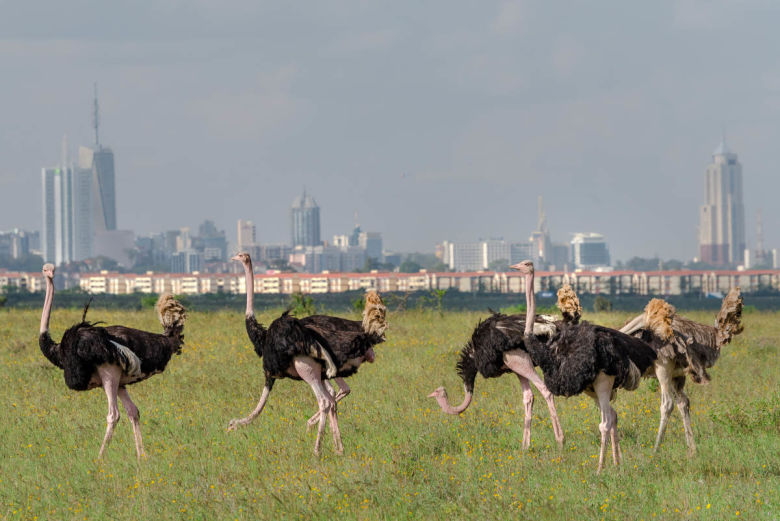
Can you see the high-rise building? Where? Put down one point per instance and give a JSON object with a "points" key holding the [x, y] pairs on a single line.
{"points": [[540, 238], [589, 250], [372, 243], [482, 255], [57, 215], [305, 220], [186, 261], [99, 162], [83, 220], [247, 234], [722, 216], [212, 242], [14, 244]]}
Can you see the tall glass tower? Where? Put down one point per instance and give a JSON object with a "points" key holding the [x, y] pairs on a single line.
{"points": [[57, 244], [722, 216], [305, 219]]}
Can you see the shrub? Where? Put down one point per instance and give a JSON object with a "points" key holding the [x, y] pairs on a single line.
{"points": [[302, 305], [601, 303]]}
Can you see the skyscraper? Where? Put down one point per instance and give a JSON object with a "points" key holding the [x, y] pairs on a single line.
{"points": [[305, 220], [79, 205], [99, 162], [540, 238], [83, 221], [722, 216], [247, 234], [57, 215]]}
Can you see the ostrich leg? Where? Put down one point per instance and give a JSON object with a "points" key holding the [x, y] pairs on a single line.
{"points": [[684, 404], [269, 384], [664, 374], [602, 388], [135, 416], [520, 362], [528, 404], [344, 390], [616, 439], [309, 370], [110, 375]]}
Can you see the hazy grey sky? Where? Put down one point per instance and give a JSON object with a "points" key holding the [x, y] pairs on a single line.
{"points": [[433, 120]]}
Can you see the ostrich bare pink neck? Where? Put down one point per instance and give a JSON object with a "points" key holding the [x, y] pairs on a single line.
{"points": [[530, 300], [449, 409], [250, 289], [47, 302]]}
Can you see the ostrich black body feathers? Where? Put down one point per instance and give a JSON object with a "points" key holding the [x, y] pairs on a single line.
{"points": [[315, 335], [285, 339], [346, 340], [573, 358], [493, 337]]}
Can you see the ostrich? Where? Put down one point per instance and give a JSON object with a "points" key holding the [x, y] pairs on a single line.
{"points": [[351, 341], [582, 357], [497, 347], [690, 350], [313, 349], [112, 357]]}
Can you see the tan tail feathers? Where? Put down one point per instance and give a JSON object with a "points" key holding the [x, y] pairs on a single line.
{"points": [[171, 313], [729, 321], [568, 303], [374, 314], [658, 318]]}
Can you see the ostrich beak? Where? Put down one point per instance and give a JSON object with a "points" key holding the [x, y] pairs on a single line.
{"points": [[525, 266], [436, 393], [235, 258]]}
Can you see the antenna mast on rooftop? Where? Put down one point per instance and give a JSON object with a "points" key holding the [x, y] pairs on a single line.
{"points": [[96, 118], [541, 224]]}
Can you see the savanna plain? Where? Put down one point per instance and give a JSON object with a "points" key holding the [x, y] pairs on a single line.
{"points": [[403, 457]]}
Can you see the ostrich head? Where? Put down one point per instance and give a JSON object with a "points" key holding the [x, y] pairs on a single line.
{"points": [[48, 270], [526, 267], [242, 257], [439, 394]]}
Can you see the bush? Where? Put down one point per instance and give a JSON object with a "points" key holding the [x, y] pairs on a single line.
{"points": [[302, 305], [358, 304], [602, 303], [148, 301]]}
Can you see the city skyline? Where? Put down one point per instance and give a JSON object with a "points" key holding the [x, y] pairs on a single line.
{"points": [[439, 124]]}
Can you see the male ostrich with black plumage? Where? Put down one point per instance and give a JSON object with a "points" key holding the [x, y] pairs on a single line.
{"points": [[112, 357], [497, 347], [313, 349], [690, 348], [583, 357]]}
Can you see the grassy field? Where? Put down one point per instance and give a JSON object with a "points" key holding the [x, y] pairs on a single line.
{"points": [[403, 457]]}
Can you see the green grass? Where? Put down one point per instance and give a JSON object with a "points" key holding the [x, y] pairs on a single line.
{"points": [[403, 457]]}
